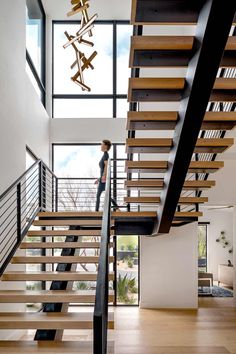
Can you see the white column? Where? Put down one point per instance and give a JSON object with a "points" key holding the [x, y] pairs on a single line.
{"points": [[168, 270]]}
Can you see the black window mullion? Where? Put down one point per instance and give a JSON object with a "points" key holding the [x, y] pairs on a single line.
{"points": [[40, 79], [114, 68], [114, 96]]}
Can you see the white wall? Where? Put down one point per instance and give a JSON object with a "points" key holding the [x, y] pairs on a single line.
{"points": [[88, 130], [106, 10], [234, 253], [23, 119], [168, 272], [220, 220]]}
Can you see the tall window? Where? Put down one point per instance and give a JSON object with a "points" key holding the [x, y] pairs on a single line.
{"points": [[202, 248], [77, 168], [35, 45], [108, 81]]}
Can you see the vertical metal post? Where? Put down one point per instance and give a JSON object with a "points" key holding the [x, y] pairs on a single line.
{"points": [[18, 201], [53, 204], [56, 200], [40, 185], [115, 173], [115, 268], [114, 68], [44, 200], [197, 177]]}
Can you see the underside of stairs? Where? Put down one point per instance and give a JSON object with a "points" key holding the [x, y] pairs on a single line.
{"points": [[171, 153]]}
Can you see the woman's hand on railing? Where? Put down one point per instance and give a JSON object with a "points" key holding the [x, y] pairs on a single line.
{"points": [[96, 181]]}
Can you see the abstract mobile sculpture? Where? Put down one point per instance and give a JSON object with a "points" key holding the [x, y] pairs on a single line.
{"points": [[75, 41]]}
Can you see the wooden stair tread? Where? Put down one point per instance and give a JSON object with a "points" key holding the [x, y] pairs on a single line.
{"points": [[159, 184], [55, 233], [37, 245], [169, 142], [231, 43], [49, 214], [171, 51], [152, 42], [153, 83], [138, 120], [225, 83], [57, 259], [153, 214], [49, 296], [67, 222], [205, 166], [45, 320], [163, 145], [199, 184], [49, 347], [161, 42], [161, 166], [142, 200], [153, 89], [153, 115], [190, 214], [149, 142], [50, 276], [136, 214], [182, 200]]}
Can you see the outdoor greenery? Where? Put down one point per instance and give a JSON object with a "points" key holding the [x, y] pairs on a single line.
{"points": [[129, 261], [201, 241], [129, 243], [81, 285], [126, 286]]}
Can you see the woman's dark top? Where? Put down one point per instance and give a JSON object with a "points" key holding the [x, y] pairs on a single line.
{"points": [[104, 158]]}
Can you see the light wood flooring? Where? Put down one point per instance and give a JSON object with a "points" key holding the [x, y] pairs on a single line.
{"points": [[210, 330]]}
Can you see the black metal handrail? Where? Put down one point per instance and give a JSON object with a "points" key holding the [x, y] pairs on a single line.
{"points": [[100, 316], [79, 193], [32, 192]]}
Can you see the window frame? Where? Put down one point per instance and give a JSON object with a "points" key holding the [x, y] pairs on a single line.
{"points": [[41, 81], [114, 96], [205, 224], [114, 175]]}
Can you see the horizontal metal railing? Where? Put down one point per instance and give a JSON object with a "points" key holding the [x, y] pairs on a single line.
{"points": [[33, 191], [39, 189], [80, 193]]}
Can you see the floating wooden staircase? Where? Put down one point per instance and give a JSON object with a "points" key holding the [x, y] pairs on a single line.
{"points": [[175, 182], [76, 237]]}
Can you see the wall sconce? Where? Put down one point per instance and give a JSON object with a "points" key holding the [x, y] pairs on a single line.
{"points": [[224, 242]]}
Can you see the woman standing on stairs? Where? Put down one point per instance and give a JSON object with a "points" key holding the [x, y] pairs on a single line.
{"points": [[105, 147]]}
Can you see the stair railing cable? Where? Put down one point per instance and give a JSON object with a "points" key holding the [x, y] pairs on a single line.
{"points": [[32, 192], [100, 316]]}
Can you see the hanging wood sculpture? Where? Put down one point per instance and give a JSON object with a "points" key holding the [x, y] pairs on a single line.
{"points": [[75, 41]]}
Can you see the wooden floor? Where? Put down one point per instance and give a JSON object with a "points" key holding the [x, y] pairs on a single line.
{"points": [[210, 330]]}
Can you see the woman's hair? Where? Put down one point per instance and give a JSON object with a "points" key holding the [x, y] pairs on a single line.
{"points": [[107, 143]]}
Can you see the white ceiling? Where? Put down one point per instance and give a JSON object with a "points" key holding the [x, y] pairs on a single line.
{"points": [[106, 9]]}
